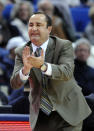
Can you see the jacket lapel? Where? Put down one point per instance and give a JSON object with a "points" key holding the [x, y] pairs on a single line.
{"points": [[50, 51]]}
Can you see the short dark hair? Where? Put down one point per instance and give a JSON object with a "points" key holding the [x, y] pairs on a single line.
{"points": [[48, 18]]}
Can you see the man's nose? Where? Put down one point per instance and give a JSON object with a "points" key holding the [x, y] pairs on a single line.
{"points": [[34, 28]]}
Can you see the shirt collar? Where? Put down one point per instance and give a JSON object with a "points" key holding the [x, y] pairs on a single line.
{"points": [[43, 46]]}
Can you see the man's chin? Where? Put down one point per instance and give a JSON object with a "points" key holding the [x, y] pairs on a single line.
{"points": [[35, 40]]}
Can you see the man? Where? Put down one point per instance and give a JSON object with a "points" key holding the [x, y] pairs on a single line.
{"points": [[53, 88], [83, 73]]}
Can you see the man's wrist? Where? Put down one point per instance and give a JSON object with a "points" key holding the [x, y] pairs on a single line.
{"points": [[22, 76], [25, 71], [44, 67]]}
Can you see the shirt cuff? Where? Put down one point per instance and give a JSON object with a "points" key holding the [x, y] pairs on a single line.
{"points": [[22, 76], [49, 70]]}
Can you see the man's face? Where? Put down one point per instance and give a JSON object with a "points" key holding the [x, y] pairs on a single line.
{"points": [[24, 12], [47, 8], [38, 30], [82, 53]]}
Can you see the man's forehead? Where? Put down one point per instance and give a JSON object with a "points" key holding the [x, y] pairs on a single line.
{"points": [[39, 16]]}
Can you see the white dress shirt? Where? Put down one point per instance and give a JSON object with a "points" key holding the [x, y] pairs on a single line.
{"points": [[49, 69]]}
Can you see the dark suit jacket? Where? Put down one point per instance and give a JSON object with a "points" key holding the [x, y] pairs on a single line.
{"points": [[62, 89], [84, 76]]}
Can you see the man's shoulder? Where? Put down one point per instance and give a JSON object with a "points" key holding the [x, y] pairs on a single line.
{"points": [[19, 50], [60, 41]]}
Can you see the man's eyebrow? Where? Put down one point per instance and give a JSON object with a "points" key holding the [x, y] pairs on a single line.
{"points": [[36, 23]]}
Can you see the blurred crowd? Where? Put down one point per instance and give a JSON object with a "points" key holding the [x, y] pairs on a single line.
{"points": [[71, 19]]}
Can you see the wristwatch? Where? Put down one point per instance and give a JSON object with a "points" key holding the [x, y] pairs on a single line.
{"points": [[44, 67]]}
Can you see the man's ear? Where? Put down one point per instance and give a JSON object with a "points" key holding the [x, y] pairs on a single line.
{"points": [[49, 29]]}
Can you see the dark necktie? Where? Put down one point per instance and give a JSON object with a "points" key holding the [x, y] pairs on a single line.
{"points": [[45, 104], [38, 52]]}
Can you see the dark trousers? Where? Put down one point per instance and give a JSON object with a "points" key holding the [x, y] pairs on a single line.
{"points": [[53, 122]]}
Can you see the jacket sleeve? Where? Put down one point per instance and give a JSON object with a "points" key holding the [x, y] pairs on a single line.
{"points": [[15, 80], [64, 68]]}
